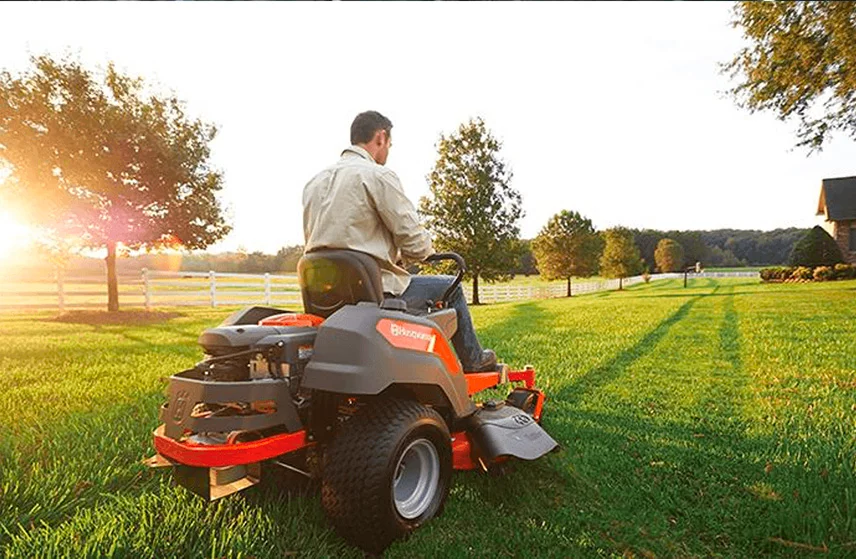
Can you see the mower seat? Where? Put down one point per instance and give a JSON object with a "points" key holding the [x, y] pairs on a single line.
{"points": [[332, 278]]}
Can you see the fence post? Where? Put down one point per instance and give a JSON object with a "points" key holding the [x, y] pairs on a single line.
{"points": [[59, 290], [146, 293], [267, 289], [212, 283]]}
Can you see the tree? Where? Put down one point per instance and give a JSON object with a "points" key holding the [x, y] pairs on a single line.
{"points": [[620, 257], [99, 157], [816, 248], [567, 246], [287, 257], [472, 208], [527, 266], [669, 255], [800, 63]]}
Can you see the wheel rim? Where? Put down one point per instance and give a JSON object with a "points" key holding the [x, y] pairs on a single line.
{"points": [[417, 476]]}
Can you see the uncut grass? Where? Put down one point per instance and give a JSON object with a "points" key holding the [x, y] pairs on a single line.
{"points": [[711, 421]]}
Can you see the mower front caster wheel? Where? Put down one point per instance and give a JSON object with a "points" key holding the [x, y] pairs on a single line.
{"points": [[386, 473]]}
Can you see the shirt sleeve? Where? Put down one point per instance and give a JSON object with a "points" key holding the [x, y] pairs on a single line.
{"points": [[399, 215]]}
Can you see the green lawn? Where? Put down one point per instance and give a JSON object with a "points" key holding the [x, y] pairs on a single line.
{"points": [[718, 420]]}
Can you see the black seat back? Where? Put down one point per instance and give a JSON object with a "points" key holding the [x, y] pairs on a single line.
{"points": [[331, 279]]}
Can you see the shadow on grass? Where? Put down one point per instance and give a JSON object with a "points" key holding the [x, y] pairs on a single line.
{"points": [[525, 320], [119, 318], [602, 374]]}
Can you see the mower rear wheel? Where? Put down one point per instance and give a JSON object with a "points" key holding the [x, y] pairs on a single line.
{"points": [[386, 472]]}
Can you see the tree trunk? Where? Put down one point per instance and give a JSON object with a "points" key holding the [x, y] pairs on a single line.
{"points": [[569, 286], [619, 283], [476, 289], [112, 282]]}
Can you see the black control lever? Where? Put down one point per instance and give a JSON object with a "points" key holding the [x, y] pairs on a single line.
{"points": [[462, 268]]}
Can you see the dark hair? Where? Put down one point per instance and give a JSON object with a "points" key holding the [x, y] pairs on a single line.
{"points": [[366, 124]]}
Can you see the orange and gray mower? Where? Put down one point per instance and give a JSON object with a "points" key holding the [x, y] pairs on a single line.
{"points": [[357, 386]]}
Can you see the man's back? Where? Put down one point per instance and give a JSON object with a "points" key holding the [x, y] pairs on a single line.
{"points": [[359, 205]]}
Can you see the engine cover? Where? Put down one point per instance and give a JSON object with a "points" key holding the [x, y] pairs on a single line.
{"points": [[224, 340]]}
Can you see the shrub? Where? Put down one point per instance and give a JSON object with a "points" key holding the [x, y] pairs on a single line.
{"points": [[801, 273], [769, 274], [816, 248], [823, 273], [776, 273], [785, 272], [646, 276], [845, 271]]}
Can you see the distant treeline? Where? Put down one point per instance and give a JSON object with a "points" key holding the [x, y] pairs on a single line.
{"points": [[718, 248], [724, 247], [42, 266]]}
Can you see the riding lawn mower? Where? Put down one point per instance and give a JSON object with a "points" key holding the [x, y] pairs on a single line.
{"points": [[358, 391]]}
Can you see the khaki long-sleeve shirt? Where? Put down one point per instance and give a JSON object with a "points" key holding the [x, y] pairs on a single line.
{"points": [[359, 205]]}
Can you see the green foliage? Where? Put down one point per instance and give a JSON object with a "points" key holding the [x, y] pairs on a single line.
{"points": [[722, 258], [777, 273], [761, 248], [799, 63], [845, 271], [724, 247], [693, 243], [620, 258], [816, 248], [99, 158], [802, 273], [727, 412], [527, 265], [567, 246], [472, 208], [669, 256]]}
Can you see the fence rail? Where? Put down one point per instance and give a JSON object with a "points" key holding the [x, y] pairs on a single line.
{"points": [[158, 289]]}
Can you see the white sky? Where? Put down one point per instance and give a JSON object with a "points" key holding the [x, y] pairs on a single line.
{"points": [[613, 110]]}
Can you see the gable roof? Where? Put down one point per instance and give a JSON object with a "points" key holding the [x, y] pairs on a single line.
{"points": [[838, 199]]}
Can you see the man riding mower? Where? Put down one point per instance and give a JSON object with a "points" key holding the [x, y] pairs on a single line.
{"points": [[358, 392]]}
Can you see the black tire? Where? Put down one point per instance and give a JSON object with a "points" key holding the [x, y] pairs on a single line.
{"points": [[361, 465]]}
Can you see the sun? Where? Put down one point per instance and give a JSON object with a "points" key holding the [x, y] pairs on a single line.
{"points": [[13, 235]]}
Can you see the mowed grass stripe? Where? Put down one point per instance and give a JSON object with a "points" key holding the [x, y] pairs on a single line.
{"points": [[683, 417], [800, 354]]}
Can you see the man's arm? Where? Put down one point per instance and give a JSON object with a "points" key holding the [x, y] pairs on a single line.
{"points": [[399, 216]]}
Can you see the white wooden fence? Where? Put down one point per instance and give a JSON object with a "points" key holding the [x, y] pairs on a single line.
{"points": [[219, 289], [499, 293], [170, 289]]}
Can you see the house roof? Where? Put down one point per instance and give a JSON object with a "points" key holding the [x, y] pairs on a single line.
{"points": [[838, 199]]}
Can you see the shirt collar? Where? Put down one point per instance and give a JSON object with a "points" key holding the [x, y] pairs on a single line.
{"points": [[359, 151]]}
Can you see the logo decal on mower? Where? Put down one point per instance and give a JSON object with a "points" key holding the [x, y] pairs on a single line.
{"points": [[408, 335], [522, 419], [180, 403], [398, 330]]}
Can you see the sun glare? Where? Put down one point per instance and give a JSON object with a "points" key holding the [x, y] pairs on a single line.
{"points": [[13, 235]]}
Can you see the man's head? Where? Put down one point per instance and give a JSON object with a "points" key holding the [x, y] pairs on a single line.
{"points": [[372, 131]]}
